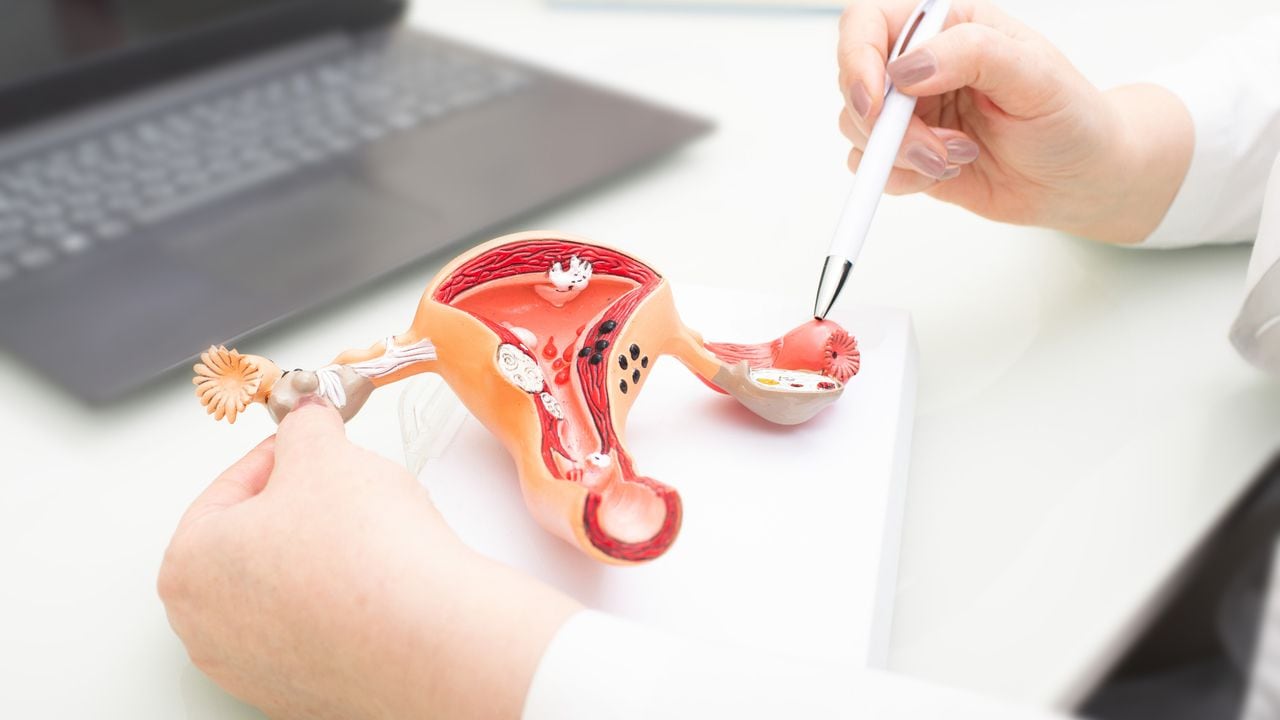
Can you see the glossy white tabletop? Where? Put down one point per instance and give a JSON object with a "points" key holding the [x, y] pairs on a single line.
{"points": [[1082, 419]]}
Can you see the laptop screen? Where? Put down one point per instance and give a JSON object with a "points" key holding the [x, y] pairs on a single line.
{"points": [[39, 36], [58, 54]]}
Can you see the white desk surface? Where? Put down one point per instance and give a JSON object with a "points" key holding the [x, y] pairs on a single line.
{"points": [[1082, 419]]}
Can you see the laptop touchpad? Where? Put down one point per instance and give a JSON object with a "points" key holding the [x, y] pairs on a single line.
{"points": [[308, 241]]}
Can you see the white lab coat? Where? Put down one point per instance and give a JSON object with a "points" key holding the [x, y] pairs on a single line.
{"points": [[599, 666], [1232, 89]]}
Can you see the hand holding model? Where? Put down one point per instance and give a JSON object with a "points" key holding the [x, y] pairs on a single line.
{"points": [[1008, 128], [316, 579]]}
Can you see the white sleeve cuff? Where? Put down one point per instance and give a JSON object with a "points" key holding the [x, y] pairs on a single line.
{"points": [[1231, 92], [600, 667], [1256, 331]]}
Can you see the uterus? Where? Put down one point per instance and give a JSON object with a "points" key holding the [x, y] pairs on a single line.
{"points": [[549, 340]]}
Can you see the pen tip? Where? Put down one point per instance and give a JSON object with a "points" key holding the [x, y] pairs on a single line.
{"points": [[835, 272]]}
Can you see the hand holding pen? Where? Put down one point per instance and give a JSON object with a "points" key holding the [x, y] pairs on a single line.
{"points": [[1020, 135], [877, 162]]}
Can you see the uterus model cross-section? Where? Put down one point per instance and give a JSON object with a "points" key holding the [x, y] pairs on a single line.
{"points": [[548, 340]]}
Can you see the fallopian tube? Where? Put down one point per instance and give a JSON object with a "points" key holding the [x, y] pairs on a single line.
{"points": [[548, 340]]}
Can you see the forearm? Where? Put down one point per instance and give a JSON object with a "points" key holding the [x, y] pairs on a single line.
{"points": [[1160, 139], [1147, 153], [478, 649]]}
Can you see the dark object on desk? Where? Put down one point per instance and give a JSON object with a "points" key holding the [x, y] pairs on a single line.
{"points": [[175, 175], [1193, 662]]}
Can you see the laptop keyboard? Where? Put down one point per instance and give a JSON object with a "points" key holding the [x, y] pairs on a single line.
{"points": [[69, 200]]}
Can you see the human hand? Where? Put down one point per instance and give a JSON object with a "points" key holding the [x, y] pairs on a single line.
{"points": [[315, 579], [1006, 127]]}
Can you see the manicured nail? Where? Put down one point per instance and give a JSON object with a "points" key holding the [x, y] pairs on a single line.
{"points": [[950, 173], [925, 160], [312, 399], [860, 99], [913, 67], [961, 151]]}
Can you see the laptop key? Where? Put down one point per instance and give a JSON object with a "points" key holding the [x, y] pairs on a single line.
{"points": [[73, 244], [110, 229], [34, 256]]}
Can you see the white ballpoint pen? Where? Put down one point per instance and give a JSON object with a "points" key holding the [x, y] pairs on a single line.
{"points": [[877, 162]]}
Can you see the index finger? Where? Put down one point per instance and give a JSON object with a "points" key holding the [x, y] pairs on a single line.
{"points": [[868, 30], [243, 480], [861, 53]]}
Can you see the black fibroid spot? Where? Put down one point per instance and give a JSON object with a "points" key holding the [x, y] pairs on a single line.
{"points": [[635, 351], [635, 377], [602, 344], [622, 385], [622, 361], [595, 359], [584, 352], [608, 326], [645, 362]]}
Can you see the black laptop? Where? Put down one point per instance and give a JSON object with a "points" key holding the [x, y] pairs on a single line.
{"points": [[179, 173], [1195, 658]]}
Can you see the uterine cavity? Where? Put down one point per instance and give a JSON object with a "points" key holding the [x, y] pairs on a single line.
{"points": [[558, 339]]}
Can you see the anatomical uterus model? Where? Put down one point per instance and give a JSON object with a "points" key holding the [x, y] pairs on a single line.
{"points": [[548, 340]]}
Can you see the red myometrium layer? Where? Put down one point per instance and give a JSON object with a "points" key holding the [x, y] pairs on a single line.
{"points": [[595, 388], [537, 256]]}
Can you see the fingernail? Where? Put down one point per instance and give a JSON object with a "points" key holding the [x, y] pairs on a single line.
{"points": [[950, 173], [312, 399], [926, 160], [860, 99], [961, 151], [913, 67]]}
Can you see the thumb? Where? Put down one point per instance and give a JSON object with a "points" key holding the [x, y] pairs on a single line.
{"points": [[243, 480], [311, 428], [1007, 70]]}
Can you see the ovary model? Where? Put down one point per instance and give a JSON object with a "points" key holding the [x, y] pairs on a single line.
{"points": [[548, 340]]}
